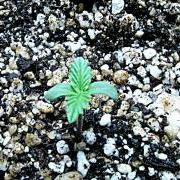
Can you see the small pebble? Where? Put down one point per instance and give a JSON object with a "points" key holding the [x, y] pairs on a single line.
{"points": [[121, 77], [166, 175], [139, 33], [82, 164], [62, 147], [116, 176], [149, 53], [32, 140], [73, 175], [117, 6], [90, 137], [151, 171], [6, 140], [124, 168], [51, 135], [58, 168], [161, 156], [105, 120], [131, 175], [139, 131], [155, 71], [109, 149], [44, 107]]}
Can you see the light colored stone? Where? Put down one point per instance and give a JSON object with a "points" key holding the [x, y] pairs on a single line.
{"points": [[62, 147], [117, 6], [44, 107], [109, 149], [12, 129], [116, 176], [161, 156], [90, 137], [166, 175], [119, 56], [83, 164], [106, 71], [18, 148], [105, 120], [6, 140], [53, 22], [155, 71], [174, 119], [98, 16], [146, 150], [67, 161], [91, 33], [4, 12], [14, 169], [56, 76], [110, 141], [139, 33], [171, 131], [1, 139], [131, 175], [73, 46], [141, 71], [149, 53], [124, 168], [32, 139], [73, 175], [87, 22], [165, 103], [40, 18], [173, 8], [19, 49], [51, 135], [175, 55], [29, 75], [58, 168], [151, 171], [153, 124], [139, 131], [178, 135], [121, 77], [1, 111], [178, 161], [3, 164]]}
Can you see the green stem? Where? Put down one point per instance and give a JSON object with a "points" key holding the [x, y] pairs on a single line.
{"points": [[79, 123]]}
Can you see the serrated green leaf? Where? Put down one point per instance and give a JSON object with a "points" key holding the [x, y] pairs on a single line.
{"points": [[102, 87], [80, 75], [79, 91], [61, 89], [76, 103]]}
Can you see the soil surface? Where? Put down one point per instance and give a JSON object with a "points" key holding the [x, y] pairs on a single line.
{"points": [[132, 44]]}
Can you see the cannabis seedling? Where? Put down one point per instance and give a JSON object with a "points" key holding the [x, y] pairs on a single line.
{"points": [[78, 92]]}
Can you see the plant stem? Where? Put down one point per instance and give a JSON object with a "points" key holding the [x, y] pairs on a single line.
{"points": [[79, 123]]}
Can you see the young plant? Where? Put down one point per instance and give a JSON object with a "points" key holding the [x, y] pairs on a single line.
{"points": [[78, 92]]}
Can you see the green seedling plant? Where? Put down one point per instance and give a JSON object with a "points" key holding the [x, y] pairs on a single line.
{"points": [[78, 92]]}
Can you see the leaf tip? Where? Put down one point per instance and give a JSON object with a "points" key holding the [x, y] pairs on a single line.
{"points": [[46, 95]]}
